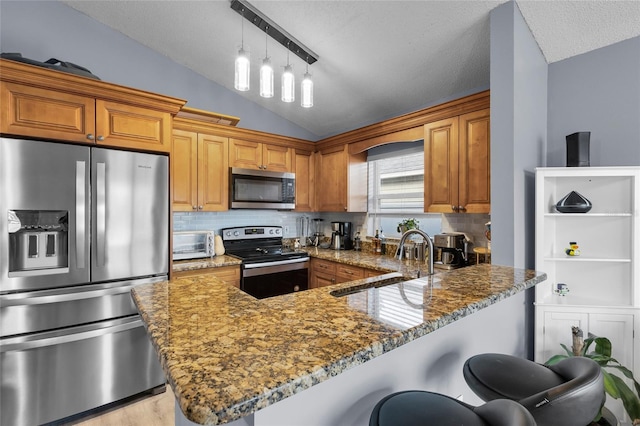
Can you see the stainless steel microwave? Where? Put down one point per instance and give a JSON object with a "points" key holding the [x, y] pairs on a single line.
{"points": [[262, 189]]}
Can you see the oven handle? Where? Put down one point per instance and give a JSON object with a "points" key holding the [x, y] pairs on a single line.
{"points": [[272, 268], [276, 263]]}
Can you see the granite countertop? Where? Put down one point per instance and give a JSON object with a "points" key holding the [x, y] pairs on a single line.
{"points": [[227, 354], [209, 262]]}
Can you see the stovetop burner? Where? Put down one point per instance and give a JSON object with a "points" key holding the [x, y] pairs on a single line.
{"points": [[258, 244]]}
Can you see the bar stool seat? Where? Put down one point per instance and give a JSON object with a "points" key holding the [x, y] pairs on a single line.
{"points": [[569, 393], [414, 407]]}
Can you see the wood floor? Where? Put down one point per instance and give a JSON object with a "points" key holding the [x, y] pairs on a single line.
{"points": [[156, 410]]}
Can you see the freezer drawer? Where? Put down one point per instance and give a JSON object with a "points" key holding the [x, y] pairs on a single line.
{"points": [[49, 376], [43, 310]]}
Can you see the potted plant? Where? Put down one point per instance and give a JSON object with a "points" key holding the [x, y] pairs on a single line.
{"points": [[406, 224], [613, 384]]}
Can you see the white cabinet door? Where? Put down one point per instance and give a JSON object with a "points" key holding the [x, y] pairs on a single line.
{"points": [[618, 328], [557, 330]]}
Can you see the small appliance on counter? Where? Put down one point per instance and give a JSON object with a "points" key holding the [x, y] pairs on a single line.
{"points": [[341, 236], [193, 245], [451, 250]]}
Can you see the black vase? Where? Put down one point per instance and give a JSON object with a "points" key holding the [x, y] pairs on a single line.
{"points": [[573, 202]]}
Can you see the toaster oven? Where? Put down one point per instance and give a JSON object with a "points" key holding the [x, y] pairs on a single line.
{"points": [[192, 245]]}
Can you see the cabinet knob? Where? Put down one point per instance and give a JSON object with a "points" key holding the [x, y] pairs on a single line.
{"points": [[100, 138], [194, 207], [462, 208], [90, 137], [199, 207], [454, 208]]}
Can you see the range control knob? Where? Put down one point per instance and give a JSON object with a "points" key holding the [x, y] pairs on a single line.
{"points": [[236, 233], [278, 231]]}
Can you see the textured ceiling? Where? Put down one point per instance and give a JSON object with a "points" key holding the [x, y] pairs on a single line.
{"points": [[378, 59]]}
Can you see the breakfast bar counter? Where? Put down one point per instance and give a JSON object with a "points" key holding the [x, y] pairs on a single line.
{"points": [[229, 356]]}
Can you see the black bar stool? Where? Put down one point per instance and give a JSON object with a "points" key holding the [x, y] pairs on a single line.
{"points": [[569, 393], [412, 408]]}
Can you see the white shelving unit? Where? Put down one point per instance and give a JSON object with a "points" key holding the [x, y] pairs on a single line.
{"points": [[603, 282]]}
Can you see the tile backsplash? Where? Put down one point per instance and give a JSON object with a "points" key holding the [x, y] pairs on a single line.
{"points": [[471, 224]]}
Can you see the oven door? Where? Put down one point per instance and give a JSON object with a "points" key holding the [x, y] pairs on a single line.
{"points": [[262, 280]]}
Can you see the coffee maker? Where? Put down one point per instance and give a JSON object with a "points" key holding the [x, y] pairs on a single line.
{"points": [[341, 236], [451, 250]]}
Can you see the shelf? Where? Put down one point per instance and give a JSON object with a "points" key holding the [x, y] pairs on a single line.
{"points": [[563, 258], [579, 303], [583, 215]]}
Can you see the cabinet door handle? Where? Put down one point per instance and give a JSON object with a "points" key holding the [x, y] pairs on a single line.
{"points": [[100, 138], [454, 208], [462, 208], [90, 137], [194, 207], [199, 207]]}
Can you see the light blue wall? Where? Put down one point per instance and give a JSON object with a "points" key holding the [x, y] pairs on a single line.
{"points": [[44, 29], [598, 91], [518, 135]]}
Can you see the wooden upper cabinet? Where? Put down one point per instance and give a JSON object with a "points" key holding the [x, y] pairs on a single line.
{"points": [[457, 164], [259, 156], [199, 168], [184, 171], [475, 162], [37, 112], [304, 168], [40, 103], [342, 180], [133, 127]]}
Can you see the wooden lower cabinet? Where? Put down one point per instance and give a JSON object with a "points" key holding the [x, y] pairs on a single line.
{"points": [[227, 274], [325, 272]]}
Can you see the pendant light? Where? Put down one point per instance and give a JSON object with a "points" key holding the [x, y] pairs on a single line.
{"points": [[306, 89], [266, 71], [241, 81], [288, 82]]}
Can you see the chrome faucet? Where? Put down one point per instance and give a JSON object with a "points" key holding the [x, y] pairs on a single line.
{"points": [[427, 239]]}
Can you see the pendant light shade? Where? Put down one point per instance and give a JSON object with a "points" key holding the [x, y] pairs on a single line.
{"points": [[306, 91], [266, 71], [241, 81], [288, 85], [266, 79]]}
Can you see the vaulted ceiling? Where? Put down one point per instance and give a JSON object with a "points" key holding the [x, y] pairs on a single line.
{"points": [[377, 59]]}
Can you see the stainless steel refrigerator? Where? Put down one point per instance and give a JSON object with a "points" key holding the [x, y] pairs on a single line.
{"points": [[79, 228]]}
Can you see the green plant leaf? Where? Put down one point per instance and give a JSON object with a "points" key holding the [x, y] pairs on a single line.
{"points": [[587, 343], [610, 385], [603, 346], [555, 359], [569, 352], [629, 399]]}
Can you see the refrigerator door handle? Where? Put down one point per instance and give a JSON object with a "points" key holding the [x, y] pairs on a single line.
{"points": [[101, 211], [72, 335], [81, 202]]}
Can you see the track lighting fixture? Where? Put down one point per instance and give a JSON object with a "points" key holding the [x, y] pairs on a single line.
{"points": [[272, 30]]}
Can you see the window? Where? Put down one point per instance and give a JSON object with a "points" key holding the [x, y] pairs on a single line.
{"points": [[396, 188], [397, 182]]}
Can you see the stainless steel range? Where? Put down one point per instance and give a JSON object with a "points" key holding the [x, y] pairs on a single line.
{"points": [[268, 269]]}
